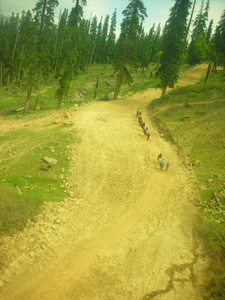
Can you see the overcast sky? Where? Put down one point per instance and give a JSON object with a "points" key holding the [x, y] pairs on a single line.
{"points": [[157, 10]]}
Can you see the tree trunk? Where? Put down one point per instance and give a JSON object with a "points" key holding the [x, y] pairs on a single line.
{"points": [[120, 77], [208, 73], [92, 55], [15, 44], [189, 24], [118, 83], [187, 31], [19, 70], [0, 74], [8, 78], [13, 56], [38, 102], [60, 102], [96, 87], [28, 99], [164, 91], [40, 39], [54, 75]]}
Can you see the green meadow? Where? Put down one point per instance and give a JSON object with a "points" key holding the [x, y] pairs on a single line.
{"points": [[193, 117]]}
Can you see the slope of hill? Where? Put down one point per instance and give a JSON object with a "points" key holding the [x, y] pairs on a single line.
{"points": [[193, 117], [125, 229]]}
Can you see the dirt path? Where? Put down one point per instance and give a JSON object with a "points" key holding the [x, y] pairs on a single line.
{"points": [[126, 231]]}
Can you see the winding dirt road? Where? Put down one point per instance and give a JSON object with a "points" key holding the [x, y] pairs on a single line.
{"points": [[127, 230]]}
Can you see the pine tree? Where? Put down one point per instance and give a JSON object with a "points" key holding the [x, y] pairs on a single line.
{"points": [[5, 50], [111, 38], [76, 13], [219, 41], [92, 40], [156, 49], [72, 47], [172, 44], [62, 33], [9, 45], [102, 49], [126, 48], [26, 45], [143, 50], [98, 42], [209, 32], [44, 20], [151, 36], [197, 49]]}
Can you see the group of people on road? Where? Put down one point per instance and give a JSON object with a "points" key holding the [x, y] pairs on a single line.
{"points": [[142, 123], [160, 159], [162, 163]]}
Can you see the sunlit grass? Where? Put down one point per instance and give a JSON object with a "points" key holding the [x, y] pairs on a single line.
{"points": [[194, 116]]}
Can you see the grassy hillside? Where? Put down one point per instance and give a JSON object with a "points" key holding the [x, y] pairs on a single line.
{"points": [[25, 183], [26, 180], [194, 117], [82, 89]]}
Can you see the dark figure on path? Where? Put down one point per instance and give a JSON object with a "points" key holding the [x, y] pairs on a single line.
{"points": [[159, 157], [138, 112], [167, 166], [146, 131], [162, 164], [143, 125], [148, 136], [140, 119]]}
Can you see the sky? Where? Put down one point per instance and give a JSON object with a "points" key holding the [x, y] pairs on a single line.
{"points": [[157, 10]]}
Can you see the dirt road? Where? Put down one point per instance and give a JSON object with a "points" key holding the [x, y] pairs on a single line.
{"points": [[126, 231]]}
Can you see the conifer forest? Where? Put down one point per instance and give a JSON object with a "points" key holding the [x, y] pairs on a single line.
{"points": [[34, 49]]}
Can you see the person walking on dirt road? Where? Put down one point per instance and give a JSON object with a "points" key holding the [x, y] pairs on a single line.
{"points": [[138, 112], [140, 119], [162, 164], [146, 131], [159, 158]]}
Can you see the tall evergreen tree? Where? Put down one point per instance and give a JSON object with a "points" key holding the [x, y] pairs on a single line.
{"points": [[156, 49], [98, 42], [112, 38], [27, 44], [44, 19], [143, 50], [62, 34], [92, 39], [197, 49], [209, 32], [126, 48], [172, 44], [151, 37], [219, 41], [76, 12], [73, 50], [102, 50], [10, 41]]}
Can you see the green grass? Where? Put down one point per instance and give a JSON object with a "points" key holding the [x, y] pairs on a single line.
{"points": [[15, 210], [198, 125], [188, 95], [21, 167], [213, 234], [82, 89], [194, 116], [25, 175]]}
